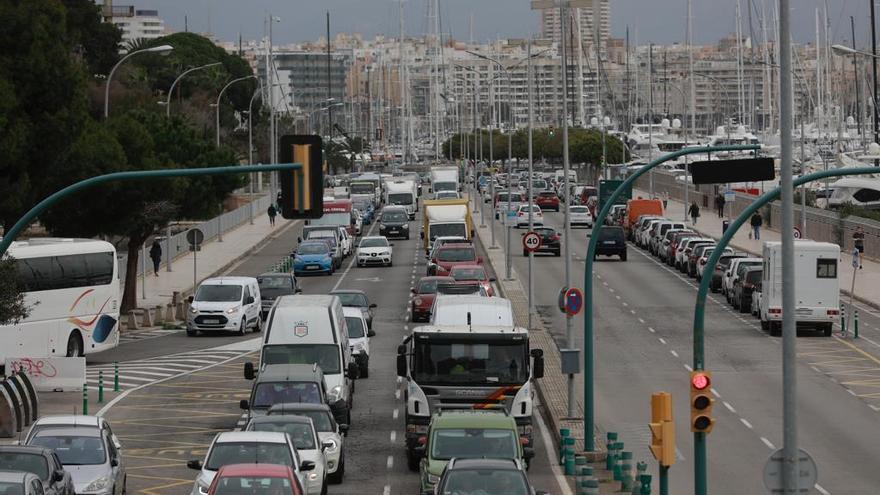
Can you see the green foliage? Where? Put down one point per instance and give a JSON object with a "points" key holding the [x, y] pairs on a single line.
{"points": [[89, 36], [12, 305]]}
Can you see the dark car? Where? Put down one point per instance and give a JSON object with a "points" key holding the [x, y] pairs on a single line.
{"points": [[275, 285], [353, 298], [423, 297], [611, 242], [550, 241], [40, 461], [721, 267], [394, 222], [744, 286], [487, 476]]}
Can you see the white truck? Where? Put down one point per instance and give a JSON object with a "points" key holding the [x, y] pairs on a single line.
{"points": [[470, 368], [402, 193], [817, 286], [445, 217], [444, 179]]}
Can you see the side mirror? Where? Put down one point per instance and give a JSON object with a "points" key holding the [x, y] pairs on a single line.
{"points": [[306, 466], [326, 446], [298, 291], [249, 372], [299, 239], [190, 299], [249, 300], [244, 405], [528, 453], [114, 462], [371, 333], [343, 428], [538, 367], [57, 475], [542, 492], [413, 290], [492, 279], [374, 305], [194, 464], [352, 371], [401, 365], [391, 244]]}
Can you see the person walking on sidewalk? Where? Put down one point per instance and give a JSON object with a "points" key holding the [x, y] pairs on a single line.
{"points": [[859, 242], [665, 199], [757, 221], [694, 212], [719, 205], [272, 213], [156, 256]]}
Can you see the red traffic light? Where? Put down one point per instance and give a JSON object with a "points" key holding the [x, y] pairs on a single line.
{"points": [[700, 381]]}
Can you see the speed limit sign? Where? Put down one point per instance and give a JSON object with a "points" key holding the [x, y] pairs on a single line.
{"points": [[532, 242]]}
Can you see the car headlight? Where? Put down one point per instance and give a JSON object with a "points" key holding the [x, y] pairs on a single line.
{"points": [[417, 301], [193, 311], [99, 484], [334, 394], [333, 446], [382, 226], [406, 226], [203, 489], [233, 310], [433, 479], [386, 253], [359, 347], [313, 476]]}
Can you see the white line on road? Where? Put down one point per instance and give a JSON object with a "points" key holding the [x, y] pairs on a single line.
{"points": [[821, 490], [875, 408], [395, 414], [389, 463], [641, 321], [768, 443], [618, 297], [386, 490], [624, 304], [688, 367], [715, 393], [672, 351], [551, 458], [851, 392], [729, 407], [632, 310], [746, 423], [651, 329], [662, 340], [393, 436]]}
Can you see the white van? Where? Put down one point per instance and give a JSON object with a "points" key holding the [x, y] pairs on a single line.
{"points": [[225, 304], [309, 329], [471, 310], [817, 286]]}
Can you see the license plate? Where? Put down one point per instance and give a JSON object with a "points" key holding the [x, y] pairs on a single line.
{"points": [[313, 267], [608, 242], [210, 321]]}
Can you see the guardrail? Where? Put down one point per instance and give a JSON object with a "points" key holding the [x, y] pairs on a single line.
{"points": [[19, 405]]}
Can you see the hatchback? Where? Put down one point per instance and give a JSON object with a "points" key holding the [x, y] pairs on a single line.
{"points": [[611, 242]]}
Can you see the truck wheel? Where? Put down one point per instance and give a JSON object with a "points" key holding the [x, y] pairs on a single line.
{"points": [[828, 327], [336, 478], [623, 256], [765, 325], [775, 328]]}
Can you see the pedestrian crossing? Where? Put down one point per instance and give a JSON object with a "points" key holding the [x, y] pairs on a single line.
{"points": [[145, 371], [134, 336]]}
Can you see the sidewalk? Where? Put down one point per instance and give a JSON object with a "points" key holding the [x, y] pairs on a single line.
{"points": [[215, 257], [710, 225]]}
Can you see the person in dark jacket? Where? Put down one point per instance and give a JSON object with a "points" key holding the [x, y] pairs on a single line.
{"points": [[719, 205], [272, 213], [694, 212], [156, 256], [757, 221]]}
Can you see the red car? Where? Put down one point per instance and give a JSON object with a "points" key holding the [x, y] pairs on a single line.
{"points": [[449, 255], [473, 273], [547, 200], [423, 297], [255, 479]]}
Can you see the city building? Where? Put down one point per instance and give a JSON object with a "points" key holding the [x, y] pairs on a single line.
{"points": [[582, 22], [136, 24]]}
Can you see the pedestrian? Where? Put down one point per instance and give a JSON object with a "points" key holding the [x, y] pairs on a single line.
{"points": [[694, 212], [859, 242], [665, 199], [156, 256], [272, 212], [757, 221], [719, 205]]}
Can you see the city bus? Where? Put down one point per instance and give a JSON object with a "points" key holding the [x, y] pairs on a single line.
{"points": [[71, 287]]}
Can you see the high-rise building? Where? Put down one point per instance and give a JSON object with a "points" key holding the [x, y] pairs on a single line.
{"points": [[584, 24], [135, 23]]}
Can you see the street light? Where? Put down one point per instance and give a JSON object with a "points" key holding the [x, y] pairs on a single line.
{"points": [[217, 105], [167, 103], [161, 50]]}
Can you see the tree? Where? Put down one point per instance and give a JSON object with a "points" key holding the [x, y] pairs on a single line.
{"points": [[12, 305], [97, 41]]}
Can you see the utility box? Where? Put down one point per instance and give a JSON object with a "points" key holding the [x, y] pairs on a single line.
{"points": [[571, 361]]}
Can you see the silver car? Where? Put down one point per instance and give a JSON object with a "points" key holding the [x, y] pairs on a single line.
{"points": [[329, 432], [89, 455], [301, 430], [20, 482]]}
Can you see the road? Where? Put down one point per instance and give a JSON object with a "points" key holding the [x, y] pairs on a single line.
{"points": [[644, 320], [164, 424]]}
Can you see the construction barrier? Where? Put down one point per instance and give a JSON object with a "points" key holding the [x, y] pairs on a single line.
{"points": [[19, 404]]}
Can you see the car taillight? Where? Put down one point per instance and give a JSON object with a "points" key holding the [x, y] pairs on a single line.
{"points": [[775, 311], [833, 312], [702, 261]]}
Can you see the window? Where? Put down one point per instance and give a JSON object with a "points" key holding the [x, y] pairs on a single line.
{"points": [[867, 195], [826, 268], [65, 272]]}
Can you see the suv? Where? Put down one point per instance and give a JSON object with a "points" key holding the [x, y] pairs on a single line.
{"points": [[283, 383], [611, 242], [275, 285], [466, 434], [394, 222]]}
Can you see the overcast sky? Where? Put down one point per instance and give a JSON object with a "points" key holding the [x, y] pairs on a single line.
{"points": [[658, 21]]}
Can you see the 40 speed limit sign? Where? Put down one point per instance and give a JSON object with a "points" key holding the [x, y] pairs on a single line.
{"points": [[531, 242]]}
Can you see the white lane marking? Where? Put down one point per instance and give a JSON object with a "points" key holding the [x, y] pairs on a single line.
{"points": [[564, 489], [618, 297], [625, 304], [386, 490], [851, 392], [393, 436], [679, 454], [768, 443], [651, 329], [715, 393], [632, 311], [397, 394], [389, 463], [746, 423], [729, 407], [641, 321], [395, 414], [875, 408], [821, 490], [672, 351], [688, 367], [350, 263], [662, 340]]}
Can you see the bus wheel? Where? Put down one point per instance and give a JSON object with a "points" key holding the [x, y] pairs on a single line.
{"points": [[74, 345]]}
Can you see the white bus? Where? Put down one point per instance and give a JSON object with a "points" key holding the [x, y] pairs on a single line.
{"points": [[72, 290]]}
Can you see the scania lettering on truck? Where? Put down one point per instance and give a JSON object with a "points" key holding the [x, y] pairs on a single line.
{"points": [[402, 193], [444, 179], [444, 218], [817, 291], [467, 368]]}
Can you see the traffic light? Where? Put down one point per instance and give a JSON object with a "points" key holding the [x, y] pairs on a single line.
{"points": [[662, 429], [302, 191], [701, 402]]}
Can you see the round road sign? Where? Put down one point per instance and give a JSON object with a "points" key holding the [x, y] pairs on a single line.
{"points": [[797, 233], [807, 472], [531, 242], [574, 301]]}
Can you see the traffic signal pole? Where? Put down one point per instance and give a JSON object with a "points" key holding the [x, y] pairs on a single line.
{"points": [[43, 205], [589, 368], [699, 363]]}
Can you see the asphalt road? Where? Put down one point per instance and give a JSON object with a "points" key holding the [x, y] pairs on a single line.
{"points": [[164, 425], [644, 320]]}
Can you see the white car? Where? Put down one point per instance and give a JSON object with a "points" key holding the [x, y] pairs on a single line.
{"points": [[522, 215], [247, 447], [331, 433], [580, 216], [359, 334], [302, 431], [70, 420], [682, 251], [347, 241], [374, 250], [358, 221]]}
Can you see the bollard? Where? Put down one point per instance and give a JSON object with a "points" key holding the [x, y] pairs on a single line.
{"points": [[569, 464], [641, 468], [645, 482], [147, 317], [158, 319], [626, 474], [116, 376], [100, 387], [615, 468], [563, 434], [610, 439], [591, 487], [169, 313], [568, 455], [132, 320], [85, 399], [855, 324], [585, 473], [843, 320]]}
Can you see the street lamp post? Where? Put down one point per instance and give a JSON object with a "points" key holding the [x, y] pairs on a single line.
{"points": [[161, 50], [217, 105], [174, 84]]}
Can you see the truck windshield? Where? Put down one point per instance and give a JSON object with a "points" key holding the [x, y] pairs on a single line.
{"points": [[400, 199], [470, 361], [447, 230], [362, 188], [342, 218], [325, 355], [445, 186]]}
